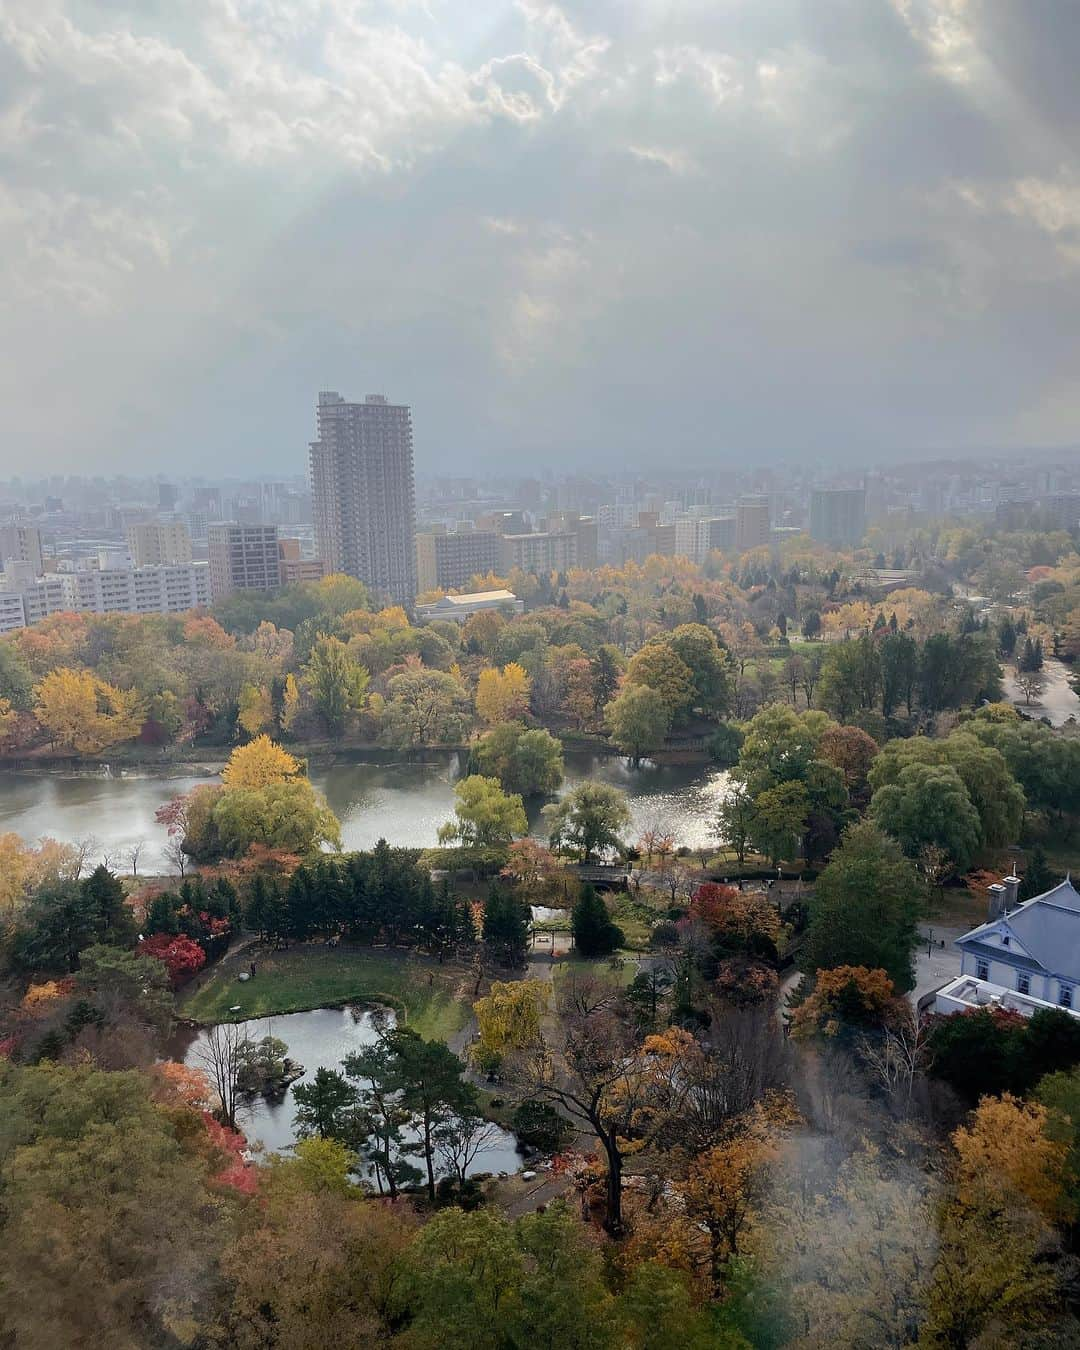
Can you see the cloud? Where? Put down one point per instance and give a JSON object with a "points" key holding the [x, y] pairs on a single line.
{"points": [[618, 228]]}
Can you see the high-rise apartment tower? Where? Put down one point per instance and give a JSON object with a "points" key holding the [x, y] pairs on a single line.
{"points": [[363, 493]]}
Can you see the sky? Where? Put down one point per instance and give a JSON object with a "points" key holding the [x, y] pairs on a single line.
{"points": [[594, 234]]}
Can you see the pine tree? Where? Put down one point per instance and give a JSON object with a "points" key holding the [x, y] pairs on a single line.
{"points": [[594, 932], [113, 924], [506, 929]]}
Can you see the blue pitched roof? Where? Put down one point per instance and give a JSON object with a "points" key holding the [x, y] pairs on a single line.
{"points": [[1047, 927]]}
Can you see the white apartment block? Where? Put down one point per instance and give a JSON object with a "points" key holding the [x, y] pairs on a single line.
{"points": [[108, 590]]}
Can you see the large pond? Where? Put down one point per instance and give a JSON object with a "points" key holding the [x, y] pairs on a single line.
{"points": [[404, 802], [321, 1039]]}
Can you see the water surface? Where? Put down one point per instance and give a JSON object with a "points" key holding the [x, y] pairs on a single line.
{"points": [[404, 802]]}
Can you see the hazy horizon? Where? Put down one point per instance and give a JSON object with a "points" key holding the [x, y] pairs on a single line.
{"points": [[597, 234]]}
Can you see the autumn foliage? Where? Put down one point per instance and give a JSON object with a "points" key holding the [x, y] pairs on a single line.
{"points": [[844, 997], [181, 957]]}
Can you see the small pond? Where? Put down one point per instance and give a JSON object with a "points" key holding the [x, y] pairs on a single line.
{"points": [[321, 1039]]}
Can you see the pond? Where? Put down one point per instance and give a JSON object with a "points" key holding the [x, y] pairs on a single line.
{"points": [[404, 802], [320, 1039]]}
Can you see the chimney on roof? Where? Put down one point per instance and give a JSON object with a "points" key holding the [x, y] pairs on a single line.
{"points": [[996, 901], [1012, 891]]}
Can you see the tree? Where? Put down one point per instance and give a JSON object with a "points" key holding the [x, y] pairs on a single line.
{"points": [[1008, 1143], [325, 1106], [589, 820], [852, 751], [505, 927], [928, 804], [780, 820], [113, 920], [638, 721], [105, 1206], [508, 1021], [843, 999], [427, 707], [736, 816], [120, 983], [377, 1125], [502, 695], [811, 624], [181, 957], [524, 761], [1038, 877], [726, 1185], [60, 921], [259, 764], [709, 667], [485, 814], [988, 781], [661, 668], [289, 816], [222, 1055], [84, 713], [1032, 684], [865, 909], [594, 932], [256, 710], [431, 1088], [337, 684]]}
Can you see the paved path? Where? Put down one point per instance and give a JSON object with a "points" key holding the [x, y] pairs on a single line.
{"points": [[935, 965]]}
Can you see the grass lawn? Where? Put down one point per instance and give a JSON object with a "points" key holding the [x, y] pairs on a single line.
{"points": [[434, 1000]]}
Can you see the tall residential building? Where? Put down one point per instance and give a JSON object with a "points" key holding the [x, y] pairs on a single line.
{"points": [[243, 558], [539, 553], [158, 543], [697, 536], [103, 590], [838, 516], [585, 527], [448, 562], [363, 494], [751, 523], [22, 543]]}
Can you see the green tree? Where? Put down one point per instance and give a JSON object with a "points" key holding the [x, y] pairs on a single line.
{"points": [[780, 815], [290, 816], [60, 921], [337, 683], [735, 819], [589, 820], [708, 665], [426, 707], [381, 1119], [114, 922], [122, 983], [431, 1089], [865, 908], [505, 926], [524, 761], [638, 721], [325, 1106], [108, 1230], [485, 814], [928, 804], [661, 668], [594, 932]]}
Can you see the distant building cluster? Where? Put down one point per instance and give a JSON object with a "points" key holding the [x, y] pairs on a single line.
{"points": [[154, 546]]}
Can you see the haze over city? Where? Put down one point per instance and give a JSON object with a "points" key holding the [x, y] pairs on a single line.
{"points": [[702, 231]]}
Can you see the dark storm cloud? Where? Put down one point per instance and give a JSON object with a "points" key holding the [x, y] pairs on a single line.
{"points": [[618, 229]]}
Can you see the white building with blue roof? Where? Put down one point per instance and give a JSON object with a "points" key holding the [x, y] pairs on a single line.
{"points": [[1025, 957]]}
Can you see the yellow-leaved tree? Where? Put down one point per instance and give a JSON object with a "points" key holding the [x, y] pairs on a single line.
{"points": [[290, 703], [508, 1020], [84, 713], [9, 721], [261, 763], [1006, 1142], [256, 709], [502, 695]]}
